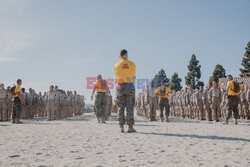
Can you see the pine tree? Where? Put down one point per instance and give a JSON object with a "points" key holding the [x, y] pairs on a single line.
{"points": [[175, 82], [245, 71], [194, 74], [219, 72], [160, 77]]}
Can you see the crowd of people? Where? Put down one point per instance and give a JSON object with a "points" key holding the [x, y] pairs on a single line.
{"points": [[16, 103], [210, 104]]}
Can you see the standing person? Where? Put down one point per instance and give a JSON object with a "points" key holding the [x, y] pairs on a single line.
{"points": [[152, 101], [50, 104], [17, 102], [234, 89], [3, 103], [57, 111], [201, 105], [206, 103], [215, 101], [163, 92], [125, 95], [25, 107], [100, 99]]}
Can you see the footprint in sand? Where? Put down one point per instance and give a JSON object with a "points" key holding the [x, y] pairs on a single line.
{"points": [[14, 156]]}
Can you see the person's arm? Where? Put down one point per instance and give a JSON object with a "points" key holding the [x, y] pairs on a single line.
{"points": [[241, 90], [20, 97], [93, 92]]}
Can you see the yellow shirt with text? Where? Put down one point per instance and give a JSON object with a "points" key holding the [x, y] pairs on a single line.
{"points": [[100, 87], [168, 90], [125, 71]]}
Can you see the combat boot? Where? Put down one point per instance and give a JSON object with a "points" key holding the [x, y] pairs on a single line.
{"points": [[13, 121], [122, 128], [18, 121], [167, 119], [226, 121], [131, 129], [235, 121]]}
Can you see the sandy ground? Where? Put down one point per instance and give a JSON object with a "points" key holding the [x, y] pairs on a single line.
{"points": [[81, 141]]}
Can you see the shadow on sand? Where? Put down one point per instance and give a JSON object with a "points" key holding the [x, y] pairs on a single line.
{"points": [[197, 136]]}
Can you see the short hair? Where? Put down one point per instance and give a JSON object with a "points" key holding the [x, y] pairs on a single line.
{"points": [[229, 76], [18, 81], [123, 52], [99, 76], [56, 86], [23, 89]]}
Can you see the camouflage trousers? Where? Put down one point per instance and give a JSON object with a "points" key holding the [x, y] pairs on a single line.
{"points": [[232, 106], [164, 104], [17, 109], [100, 103], [125, 97], [152, 107]]}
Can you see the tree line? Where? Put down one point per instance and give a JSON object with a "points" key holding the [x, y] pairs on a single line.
{"points": [[192, 79]]}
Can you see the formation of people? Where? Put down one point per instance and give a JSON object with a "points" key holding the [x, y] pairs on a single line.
{"points": [[16, 103], [210, 104]]}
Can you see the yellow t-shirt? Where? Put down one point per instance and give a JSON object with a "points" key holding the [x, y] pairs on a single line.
{"points": [[125, 71], [17, 89], [100, 87], [114, 104], [168, 90], [230, 92]]}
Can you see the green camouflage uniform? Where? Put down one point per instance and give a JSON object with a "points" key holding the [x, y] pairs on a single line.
{"points": [[125, 98]]}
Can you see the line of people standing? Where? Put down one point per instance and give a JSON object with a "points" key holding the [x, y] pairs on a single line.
{"points": [[209, 104], [55, 104]]}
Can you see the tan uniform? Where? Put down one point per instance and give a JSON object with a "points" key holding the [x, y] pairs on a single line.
{"points": [[50, 105], [215, 100], [152, 103], [3, 105], [206, 103]]}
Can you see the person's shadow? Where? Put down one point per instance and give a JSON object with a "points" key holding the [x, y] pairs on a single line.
{"points": [[196, 136]]}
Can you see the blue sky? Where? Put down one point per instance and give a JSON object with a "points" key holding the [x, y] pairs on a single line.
{"points": [[62, 42]]}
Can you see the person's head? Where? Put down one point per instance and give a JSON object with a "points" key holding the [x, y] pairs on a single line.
{"points": [[1, 86], [124, 54], [201, 89], [8, 88], [75, 92], [229, 77], [23, 90], [214, 84], [186, 89], [40, 93], [19, 82], [56, 88], [99, 76], [196, 90], [163, 82], [45, 94], [191, 88], [51, 88], [30, 90]]}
